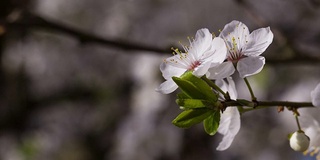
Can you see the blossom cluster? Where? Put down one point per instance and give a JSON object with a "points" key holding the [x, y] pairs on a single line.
{"points": [[207, 58], [218, 56]]}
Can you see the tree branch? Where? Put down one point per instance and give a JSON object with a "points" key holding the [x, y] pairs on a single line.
{"points": [[270, 104], [28, 20]]}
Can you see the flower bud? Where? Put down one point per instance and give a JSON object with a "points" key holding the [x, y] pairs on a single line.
{"points": [[299, 141]]}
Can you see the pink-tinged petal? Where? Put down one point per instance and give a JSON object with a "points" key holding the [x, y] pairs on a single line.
{"points": [[219, 49], [201, 69], [250, 65], [168, 71], [235, 30], [167, 87], [315, 96], [229, 127], [259, 40], [221, 71]]}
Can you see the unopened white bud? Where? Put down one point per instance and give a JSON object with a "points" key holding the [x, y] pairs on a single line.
{"points": [[299, 141]]}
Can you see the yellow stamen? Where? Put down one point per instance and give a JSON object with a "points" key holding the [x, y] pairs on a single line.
{"points": [[213, 34], [234, 43]]}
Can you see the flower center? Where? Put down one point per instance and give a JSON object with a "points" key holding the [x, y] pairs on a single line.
{"points": [[194, 65], [235, 44], [234, 55]]}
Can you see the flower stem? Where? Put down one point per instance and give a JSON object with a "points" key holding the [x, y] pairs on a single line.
{"points": [[297, 120], [214, 86], [253, 98]]}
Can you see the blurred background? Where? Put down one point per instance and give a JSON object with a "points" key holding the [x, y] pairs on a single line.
{"points": [[77, 78]]}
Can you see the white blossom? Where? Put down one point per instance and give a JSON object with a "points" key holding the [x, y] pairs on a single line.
{"points": [[230, 119], [203, 53], [244, 50], [311, 128]]}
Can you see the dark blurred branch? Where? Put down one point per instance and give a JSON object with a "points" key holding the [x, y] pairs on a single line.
{"points": [[29, 20], [294, 61], [26, 20]]}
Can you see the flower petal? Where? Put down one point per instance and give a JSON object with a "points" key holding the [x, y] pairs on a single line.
{"points": [[228, 86], [167, 87], [225, 142], [232, 89], [311, 128], [168, 70], [235, 33], [250, 65], [221, 71], [201, 69], [315, 96], [201, 43], [177, 61], [219, 48], [229, 127], [313, 133], [259, 40], [229, 121]]}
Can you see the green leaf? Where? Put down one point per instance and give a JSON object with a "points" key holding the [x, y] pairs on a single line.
{"points": [[191, 117], [193, 103], [189, 88], [289, 136], [195, 87], [211, 123], [201, 85], [182, 95]]}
